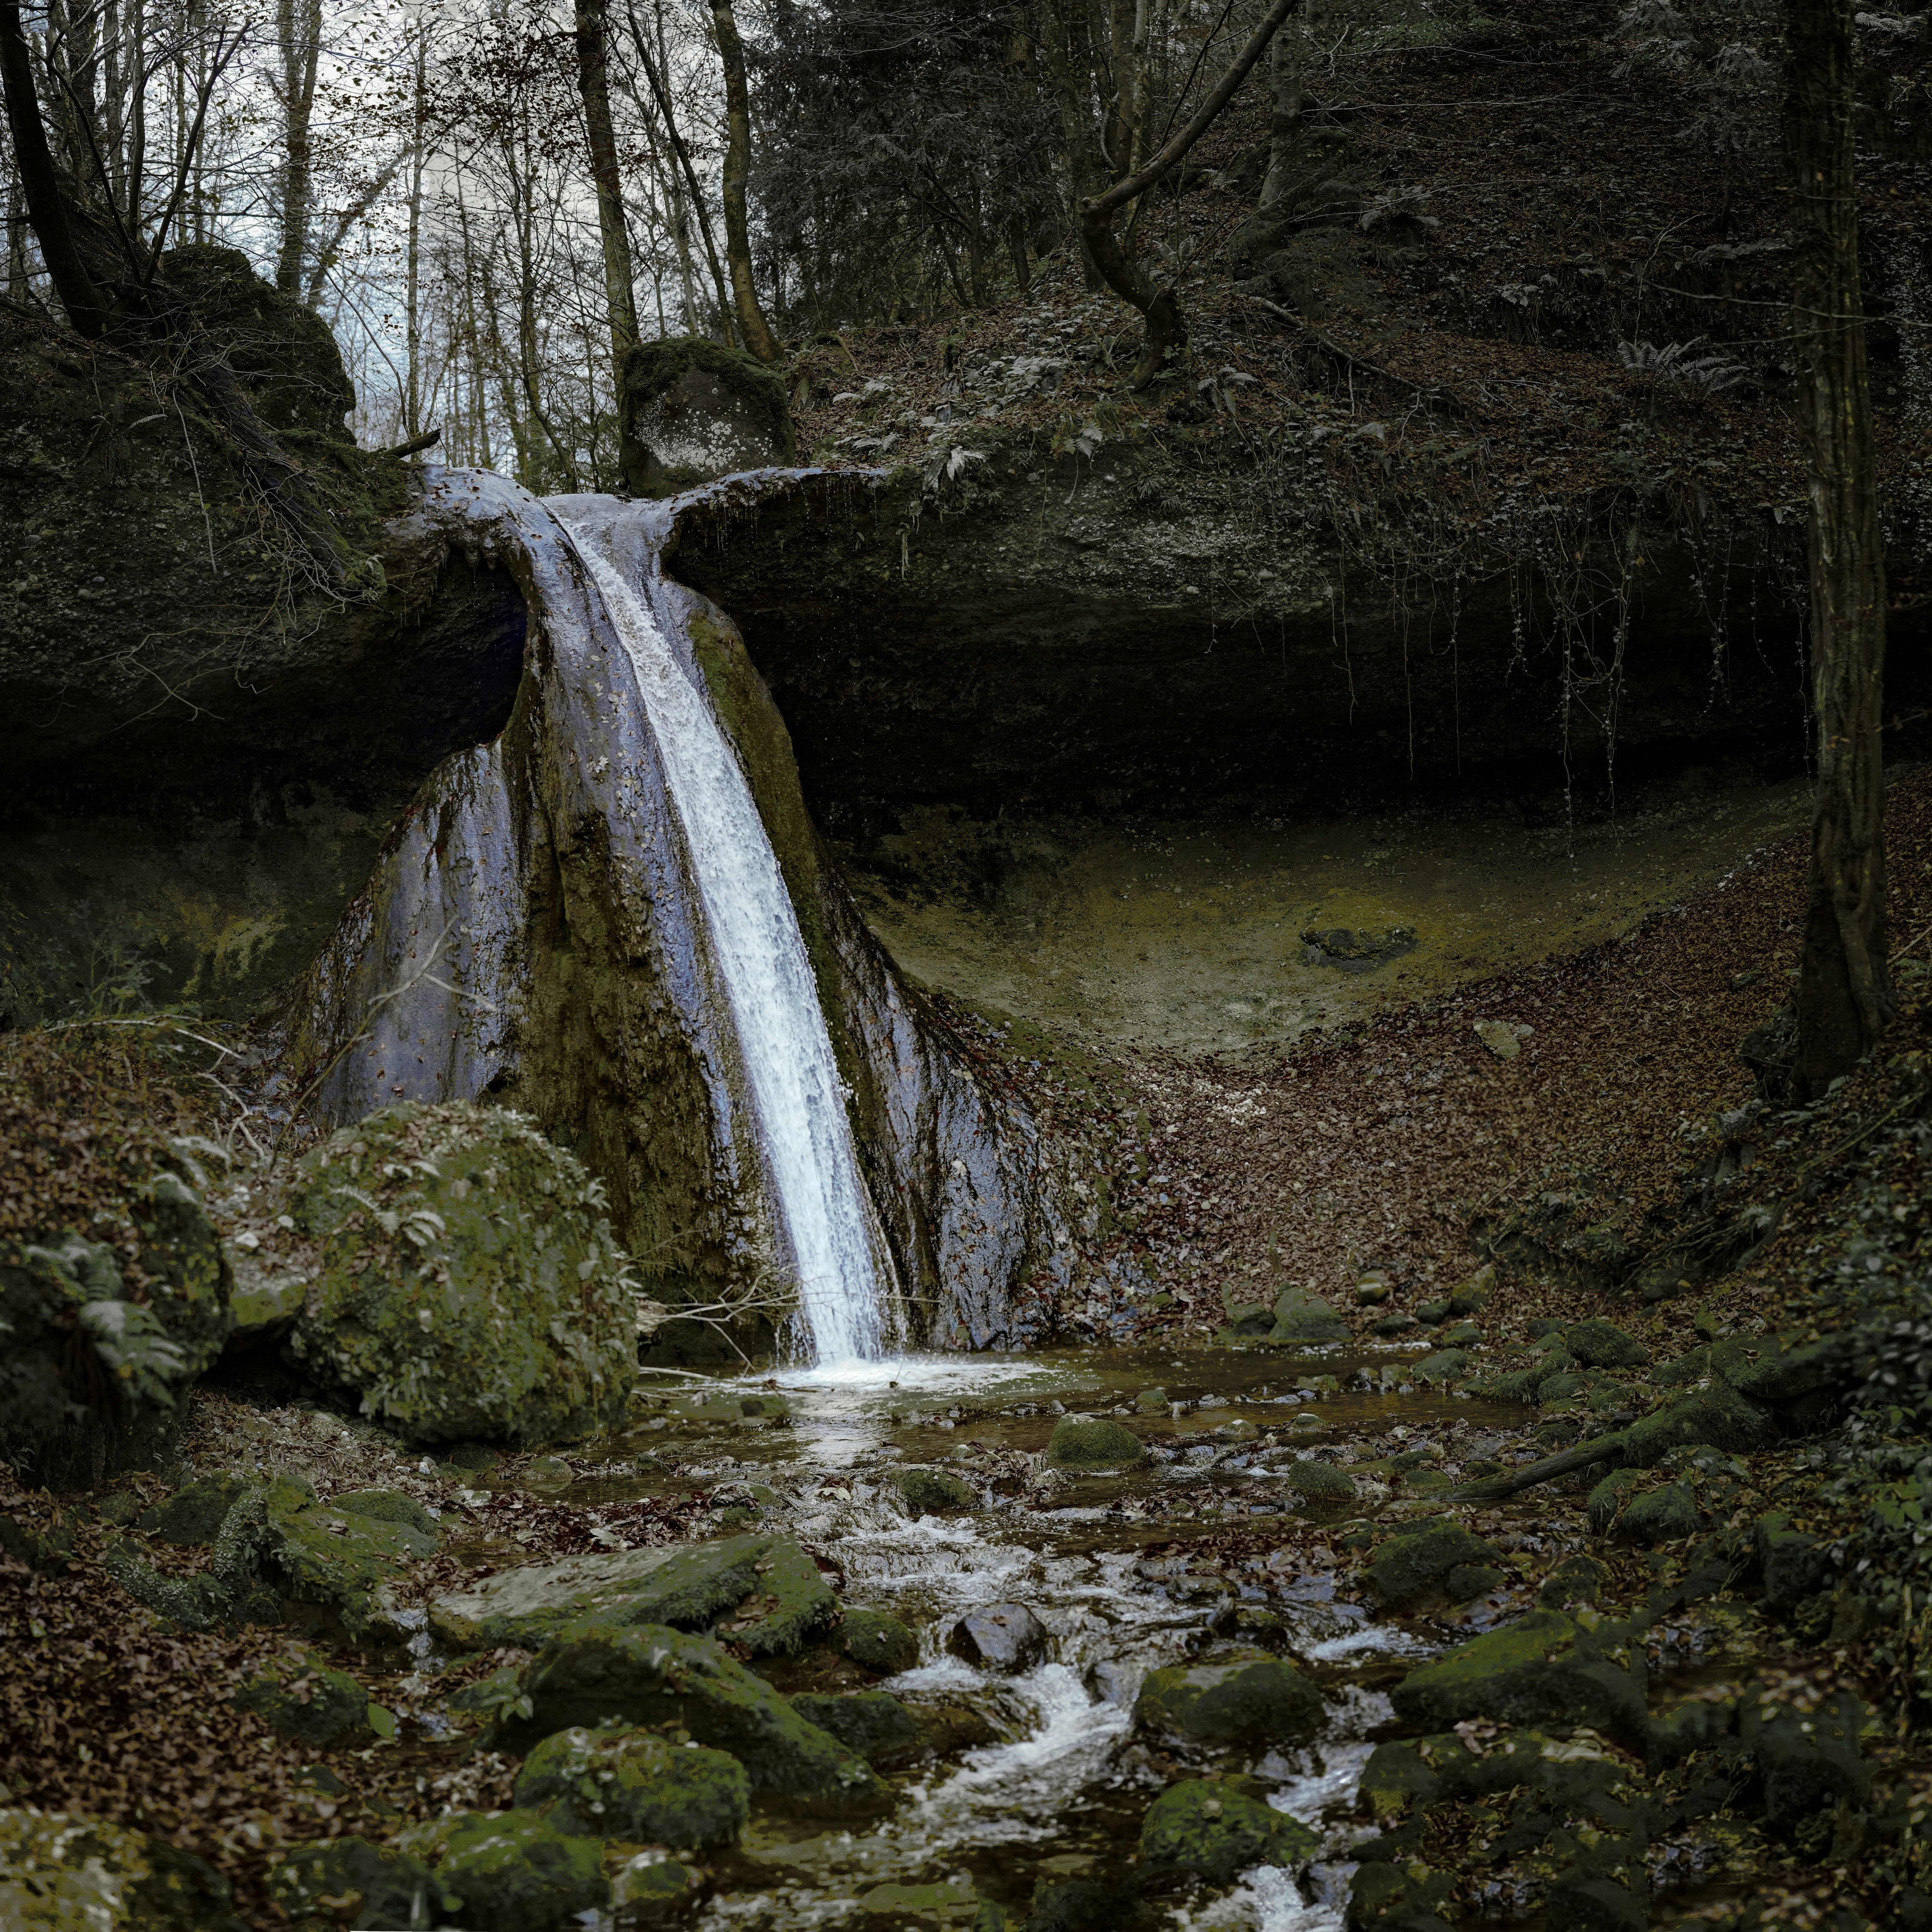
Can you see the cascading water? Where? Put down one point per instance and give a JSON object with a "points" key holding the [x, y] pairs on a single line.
{"points": [[786, 1051]]}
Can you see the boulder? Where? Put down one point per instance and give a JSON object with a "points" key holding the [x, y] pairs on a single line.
{"points": [[873, 1723], [1302, 1316], [1089, 1442], [469, 1283], [636, 1786], [928, 1491], [374, 1884], [1576, 1580], [1547, 1668], [1598, 1344], [764, 1592], [194, 1513], [1151, 1402], [652, 1675], [60, 1873], [1407, 1897], [1808, 1761], [1793, 1563], [1413, 1567], [1251, 1699], [303, 1699], [1006, 1638], [1215, 1831], [879, 1642], [649, 1889], [514, 1871], [689, 411], [1320, 1482]]}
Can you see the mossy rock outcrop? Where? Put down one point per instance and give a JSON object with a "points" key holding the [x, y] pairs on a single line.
{"points": [[514, 1871], [1253, 1699], [59, 1874], [879, 1642], [1215, 1831], [873, 1723], [652, 1676], [470, 1285], [689, 410], [636, 1786], [1093, 1442], [1417, 1568], [1301, 1315]]}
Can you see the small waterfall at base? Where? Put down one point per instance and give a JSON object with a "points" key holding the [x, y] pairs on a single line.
{"points": [[760, 956]]}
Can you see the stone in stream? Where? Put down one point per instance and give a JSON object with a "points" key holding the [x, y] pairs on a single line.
{"points": [[61, 1873], [1320, 1482], [517, 1871], [1415, 1566], [413, 1305], [651, 1675], [879, 1642], [1006, 1638], [1092, 1442], [636, 1786], [764, 1592], [1212, 1829], [927, 1492], [873, 1723], [1247, 1699], [1151, 1402], [1598, 1344], [303, 1699], [1545, 1668], [1301, 1315]]}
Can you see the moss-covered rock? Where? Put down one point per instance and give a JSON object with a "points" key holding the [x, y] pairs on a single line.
{"points": [[1410, 1897], [1546, 1668], [470, 1285], [1598, 1344], [873, 1723], [652, 1676], [514, 1871], [1215, 1831], [648, 1889], [60, 1873], [1577, 1579], [688, 410], [1254, 1699], [302, 1698], [638, 1787], [349, 1881], [928, 1491], [195, 1512], [1301, 1315], [879, 1642], [1089, 1442], [1412, 1569], [1320, 1482]]}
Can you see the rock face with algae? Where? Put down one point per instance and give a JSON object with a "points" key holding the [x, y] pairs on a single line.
{"points": [[470, 1284]]}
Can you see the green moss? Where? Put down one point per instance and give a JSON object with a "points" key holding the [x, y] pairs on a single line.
{"points": [[470, 1285], [1246, 1700], [1087, 1442], [637, 1786], [873, 1723], [514, 1871], [1214, 1830], [928, 1491], [879, 1642], [376, 1884], [303, 1699], [59, 1874], [651, 367], [1413, 1568], [1300, 1316]]}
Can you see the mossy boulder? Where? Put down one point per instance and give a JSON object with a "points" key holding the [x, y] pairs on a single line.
{"points": [[1413, 1568], [514, 1871], [652, 1675], [1089, 1442], [879, 1642], [303, 1699], [638, 1787], [928, 1491], [1598, 1344], [1319, 1482], [1302, 1316], [1252, 1699], [470, 1284], [194, 1513], [873, 1723], [59, 1874], [1546, 1668], [350, 1882], [1215, 1831], [1577, 1772], [764, 1592], [689, 410]]}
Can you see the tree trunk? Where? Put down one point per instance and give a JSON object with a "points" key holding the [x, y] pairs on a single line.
{"points": [[1844, 990], [593, 82], [752, 323], [1284, 64], [1067, 61], [298, 29], [412, 266]]}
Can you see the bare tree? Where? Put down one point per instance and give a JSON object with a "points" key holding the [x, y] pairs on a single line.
{"points": [[593, 82], [752, 323]]}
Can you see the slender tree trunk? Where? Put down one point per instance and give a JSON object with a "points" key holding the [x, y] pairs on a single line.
{"points": [[593, 82], [1284, 71], [1844, 990], [298, 29], [752, 323], [1068, 62], [413, 265]]}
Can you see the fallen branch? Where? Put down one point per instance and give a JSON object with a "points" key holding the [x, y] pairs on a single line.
{"points": [[1495, 1489], [428, 440]]}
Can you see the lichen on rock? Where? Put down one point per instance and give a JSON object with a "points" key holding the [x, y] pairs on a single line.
{"points": [[470, 1284]]}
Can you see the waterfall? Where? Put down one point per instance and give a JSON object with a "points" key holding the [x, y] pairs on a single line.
{"points": [[785, 1051]]}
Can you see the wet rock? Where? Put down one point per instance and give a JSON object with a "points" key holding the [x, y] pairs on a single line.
{"points": [[1004, 1637], [194, 1513], [1589, 1903], [764, 1592], [470, 1284], [1576, 1580], [636, 1786], [1080, 1905], [1472, 1297], [302, 1698], [1432, 1314], [1254, 1698], [1575, 1770], [1319, 1482], [1793, 1565], [930, 1492], [1086, 1442], [1300, 1316], [1443, 1366], [651, 1675], [61, 1873], [649, 1889], [873, 1723], [1397, 1324], [374, 1884], [1151, 1402], [1546, 1668], [1598, 1344], [1414, 1567], [879, 1642], [1215, 1831], [514, 1871]]}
